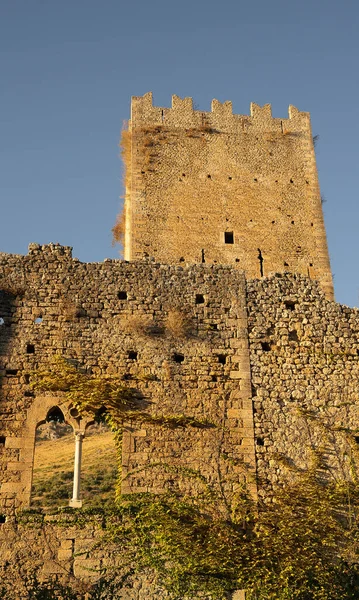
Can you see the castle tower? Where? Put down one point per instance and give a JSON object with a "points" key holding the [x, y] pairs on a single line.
{"points": [[216, 187]]}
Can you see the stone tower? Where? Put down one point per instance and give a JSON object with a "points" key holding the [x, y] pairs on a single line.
{"points": [[216, 187]]}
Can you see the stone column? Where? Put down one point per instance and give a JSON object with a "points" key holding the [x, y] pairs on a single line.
{"points": [[75, 501]]}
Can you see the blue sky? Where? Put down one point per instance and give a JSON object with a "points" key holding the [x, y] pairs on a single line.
{"points": [[68, 69]]}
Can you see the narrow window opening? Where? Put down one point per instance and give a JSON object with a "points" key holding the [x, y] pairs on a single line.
{"points": [[183, 174], [255, 179], [230, 178], [312, 224], [286, 264], [178, 358], [199, 299], [310, 264], [356, 438], [162, 116], [209, 176], [265, 346], [237, 260], [202, 256], [181, 259], [11, 372], [2, 440], [260, 441], [273, 222], [132, 355], [292, 222], [38, 320], [55, 414], [2, 519], [27, 378], [222, 359], [122, 295], [289, 304], [30, 349], [214, 378], [228, 237], [261, 260], [291, 180]]}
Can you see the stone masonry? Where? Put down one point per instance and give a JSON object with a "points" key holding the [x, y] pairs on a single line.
{"points": [[217, 187], [232, 324]]}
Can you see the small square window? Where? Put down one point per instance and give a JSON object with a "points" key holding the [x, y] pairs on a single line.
{"points": [[178, 358], [228, 237]]}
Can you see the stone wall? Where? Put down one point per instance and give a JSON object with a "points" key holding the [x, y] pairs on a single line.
{"points": [[194, 340], [176, 334], [305, 378], [216, 187], [69, 550]]}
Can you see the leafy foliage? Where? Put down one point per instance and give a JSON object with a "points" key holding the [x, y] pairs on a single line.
{"points": [[301, 545], [107, 395]]}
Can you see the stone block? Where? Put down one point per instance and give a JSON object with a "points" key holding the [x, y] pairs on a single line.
{"points": [[88, 568]]}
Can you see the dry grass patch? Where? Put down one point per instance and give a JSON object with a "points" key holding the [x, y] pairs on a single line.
{"points": [[53, 470]]}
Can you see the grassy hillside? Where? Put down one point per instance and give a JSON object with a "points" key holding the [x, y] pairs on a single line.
{"points": [[53, 470]]}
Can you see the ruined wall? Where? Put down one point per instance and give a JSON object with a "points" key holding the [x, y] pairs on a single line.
{"points": [[198, 341], [177, 335], [305, 379], [217, 187], [66, 548]]}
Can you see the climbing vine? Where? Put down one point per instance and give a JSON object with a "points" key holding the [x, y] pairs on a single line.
{"points": [[302, 545], [105, 395]]}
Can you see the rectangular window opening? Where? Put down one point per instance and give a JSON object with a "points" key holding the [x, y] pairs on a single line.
{"points": [[228, 237]]}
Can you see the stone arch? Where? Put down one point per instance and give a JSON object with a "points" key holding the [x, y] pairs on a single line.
{"points": [[36, 415]]}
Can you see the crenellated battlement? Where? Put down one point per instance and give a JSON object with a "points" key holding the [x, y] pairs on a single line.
{"points": [[221, 117]]}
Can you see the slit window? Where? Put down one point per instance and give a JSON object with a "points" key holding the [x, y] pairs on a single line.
{"points": [[228, 237], [199, 299], [222, 359], [132, 355], [30, 349], [2, 440], [122, 295]]}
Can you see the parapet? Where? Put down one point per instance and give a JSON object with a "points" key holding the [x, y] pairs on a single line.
{"points": [[50, 249], [221, 117]]}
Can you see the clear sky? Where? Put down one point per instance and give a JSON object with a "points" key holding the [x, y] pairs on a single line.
{"points": [[69, 67]]}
